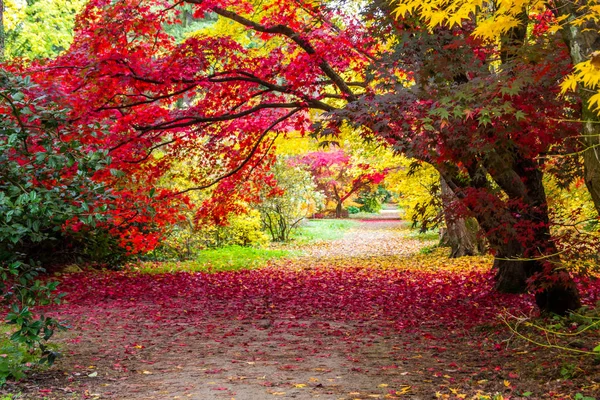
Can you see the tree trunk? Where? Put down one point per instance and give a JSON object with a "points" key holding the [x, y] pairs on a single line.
{"points": [[556, 291], [461, 234], [522, 263], [2, 34], [338, 209], [582, 41], [521, 259]]}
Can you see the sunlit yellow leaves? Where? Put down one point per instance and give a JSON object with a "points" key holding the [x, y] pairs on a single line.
{"points": [[495, 26], [451, 13], [14, 11], [568, 84], [594, 102], [586, 74], [496, 18]]}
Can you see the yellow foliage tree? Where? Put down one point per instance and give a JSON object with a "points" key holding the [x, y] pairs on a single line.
{"points": [[38, 29]]}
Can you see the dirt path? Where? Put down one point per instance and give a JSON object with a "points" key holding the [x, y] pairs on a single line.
{"points": [[280, 337]]}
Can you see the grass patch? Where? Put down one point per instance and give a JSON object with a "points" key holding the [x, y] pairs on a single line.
{"points": [[428, 235], [428, 249], [230, 258], [318, 230], [365, 215]]}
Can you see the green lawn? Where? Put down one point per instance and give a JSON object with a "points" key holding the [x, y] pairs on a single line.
{"points": [[316, 230], [233, 258], [230, 258]]}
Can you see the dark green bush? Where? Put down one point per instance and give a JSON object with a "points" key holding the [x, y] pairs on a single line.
{"points": [[46, 186]]}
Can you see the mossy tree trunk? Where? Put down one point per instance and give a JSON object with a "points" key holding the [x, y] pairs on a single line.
{"points": [[461, 234], [582, 41], [2, 35]]}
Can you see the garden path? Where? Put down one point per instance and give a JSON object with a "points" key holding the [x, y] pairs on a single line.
{"points": [[363, 317]]}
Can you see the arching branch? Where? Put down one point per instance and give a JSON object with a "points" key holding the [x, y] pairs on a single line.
{"points": [[248, 157], [293, 36]]}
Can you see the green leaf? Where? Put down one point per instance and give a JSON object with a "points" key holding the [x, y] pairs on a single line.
{"points": [[18, 96]]}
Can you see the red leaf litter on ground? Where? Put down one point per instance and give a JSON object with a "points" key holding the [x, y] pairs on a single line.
{"points": [[313, 327]]}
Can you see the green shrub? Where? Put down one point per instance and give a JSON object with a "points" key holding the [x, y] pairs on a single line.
{"points": [[185, 241], [353, 210], [372, 200], [15, 359], [45, 185], [370, 205]]}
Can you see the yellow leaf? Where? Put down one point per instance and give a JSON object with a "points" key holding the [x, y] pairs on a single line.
{"points": [[569, 84], [383, 385], [506, 383], [403, 390], [299, 385], [594, 101]]}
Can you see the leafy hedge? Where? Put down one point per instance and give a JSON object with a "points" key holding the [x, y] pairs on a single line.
{"points": [[46, 183]]}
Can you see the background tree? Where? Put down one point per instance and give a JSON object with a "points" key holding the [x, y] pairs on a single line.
{"points": [[295, 198], [337, 176], [52, 20]]}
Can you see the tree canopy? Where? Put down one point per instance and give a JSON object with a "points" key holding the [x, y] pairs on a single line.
{"points": [[472, 88]]}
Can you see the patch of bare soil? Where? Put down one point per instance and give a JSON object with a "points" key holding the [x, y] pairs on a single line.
{"points": [[311, 358]]}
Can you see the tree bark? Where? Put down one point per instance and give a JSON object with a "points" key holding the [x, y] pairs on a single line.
{"points": [[462, 234], [582, 41], [2, 33], [536, 258], [338, 209], [522, 264]]}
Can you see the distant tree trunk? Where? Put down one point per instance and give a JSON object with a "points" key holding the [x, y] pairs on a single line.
{"points": [[582, 41], [338, 209], [461, 234]]}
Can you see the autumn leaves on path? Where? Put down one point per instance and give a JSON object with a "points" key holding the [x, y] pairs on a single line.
{"points": [[363, 317]]}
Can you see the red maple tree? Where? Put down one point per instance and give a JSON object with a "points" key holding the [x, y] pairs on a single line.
{"points": [[437, 97]]}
